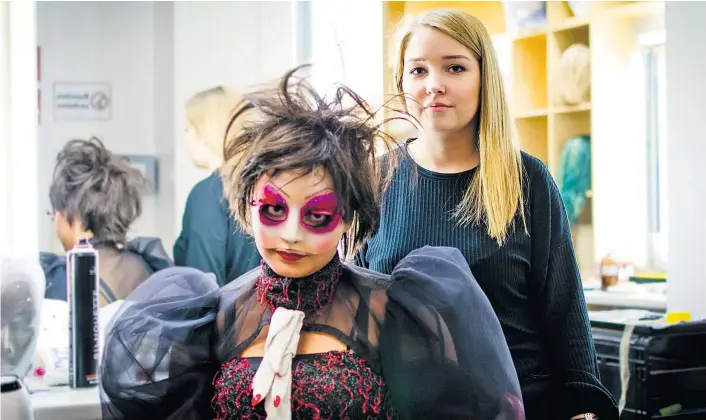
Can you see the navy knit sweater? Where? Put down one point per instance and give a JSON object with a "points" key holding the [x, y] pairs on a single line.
{"points": [[532, 280]]}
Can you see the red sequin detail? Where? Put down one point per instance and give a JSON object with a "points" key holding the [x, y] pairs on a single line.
{"points": [[333, 385], [233, 384]]}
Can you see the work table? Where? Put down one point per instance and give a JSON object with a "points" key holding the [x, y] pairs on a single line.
{"points": [[627, 295]]}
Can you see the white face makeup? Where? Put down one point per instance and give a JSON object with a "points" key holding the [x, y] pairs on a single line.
{"points": [[296, 222]]}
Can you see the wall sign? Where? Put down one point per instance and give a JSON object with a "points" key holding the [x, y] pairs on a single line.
{"points": [[82, 101]]}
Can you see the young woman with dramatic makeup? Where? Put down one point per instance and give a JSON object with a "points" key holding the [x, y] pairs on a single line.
{"points": [[307, 335]]}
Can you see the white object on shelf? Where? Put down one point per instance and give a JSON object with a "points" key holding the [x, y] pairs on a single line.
{"points": [[573, 81], [580, 8], [524, 15]]}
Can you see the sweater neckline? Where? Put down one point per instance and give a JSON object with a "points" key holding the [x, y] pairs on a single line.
{"points": [[427, 173]]}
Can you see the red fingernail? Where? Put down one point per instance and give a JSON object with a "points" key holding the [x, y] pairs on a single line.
{"points": [[256, 399], [277, 401]]}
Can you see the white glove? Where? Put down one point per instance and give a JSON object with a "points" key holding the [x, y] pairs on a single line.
{"points": [[273, 379]]}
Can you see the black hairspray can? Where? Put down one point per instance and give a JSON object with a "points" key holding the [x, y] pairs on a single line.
{"points": [[82, 292]]}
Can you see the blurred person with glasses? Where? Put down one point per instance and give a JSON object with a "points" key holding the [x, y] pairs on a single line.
{"points": [[97, 195]]}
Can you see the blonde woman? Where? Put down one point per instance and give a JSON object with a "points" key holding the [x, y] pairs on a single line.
{"points": [[211, 240], [464, 183]]}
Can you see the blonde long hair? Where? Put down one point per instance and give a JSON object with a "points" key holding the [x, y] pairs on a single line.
{"points": [[495, 195], [209, 113]]}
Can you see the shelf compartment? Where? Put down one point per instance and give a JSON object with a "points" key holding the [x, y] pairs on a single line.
{"points": [[566, 37], [569, 125], [532, 134], [568, 109], [542, 112], [529, 83], [559, 42]]}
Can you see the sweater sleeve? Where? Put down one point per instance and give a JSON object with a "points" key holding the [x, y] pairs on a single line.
{"points": [[202, 243], [562, 307]]}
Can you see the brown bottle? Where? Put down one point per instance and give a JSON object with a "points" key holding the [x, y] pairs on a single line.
{"points": [[609, 270]]}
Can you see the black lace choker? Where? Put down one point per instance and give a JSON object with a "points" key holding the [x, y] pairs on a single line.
{"points": [[310, 293]]}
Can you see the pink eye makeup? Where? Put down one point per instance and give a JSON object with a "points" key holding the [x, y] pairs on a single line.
{"points": [[321, 213], [273, 208]]}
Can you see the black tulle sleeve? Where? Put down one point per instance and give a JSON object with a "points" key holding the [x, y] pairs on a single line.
{"points": [[158, 361], [442, 349]]}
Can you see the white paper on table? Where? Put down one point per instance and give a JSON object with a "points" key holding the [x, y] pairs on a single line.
{"points": [[52, 352]]}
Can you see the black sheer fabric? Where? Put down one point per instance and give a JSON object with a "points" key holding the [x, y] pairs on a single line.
{"points": [[426, 337]]}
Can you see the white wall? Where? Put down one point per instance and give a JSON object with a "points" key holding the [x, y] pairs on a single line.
{"points": [[98, 42], [232, 43], [342, 52], [618, 141], [163, 117], [18, 130], [155, 55], [686, 90]]}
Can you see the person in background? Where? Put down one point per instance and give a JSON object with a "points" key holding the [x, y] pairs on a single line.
{"points": [[211, 240], [98, 195], [464, 183]]}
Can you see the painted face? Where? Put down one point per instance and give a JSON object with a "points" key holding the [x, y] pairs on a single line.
{"points": [[296, 221], [443, 77]]}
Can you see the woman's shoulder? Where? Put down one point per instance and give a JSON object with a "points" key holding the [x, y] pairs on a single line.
{"points": [[211, 186], [534, 169], [206, 202], [539, 184]]}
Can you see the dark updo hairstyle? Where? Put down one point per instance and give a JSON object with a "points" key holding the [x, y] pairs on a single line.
{"points": [[296, 128], [99, 189]]}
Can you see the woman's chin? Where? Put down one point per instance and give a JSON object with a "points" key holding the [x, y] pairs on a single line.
{"points": [[442, 128]]}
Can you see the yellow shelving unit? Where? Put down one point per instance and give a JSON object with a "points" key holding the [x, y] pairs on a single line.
{"points": [[544, 124]]}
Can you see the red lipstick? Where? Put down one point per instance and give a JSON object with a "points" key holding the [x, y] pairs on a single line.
{"points": [[290, 256]]}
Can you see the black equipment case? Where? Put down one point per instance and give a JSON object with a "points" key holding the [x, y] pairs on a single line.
{"points": [[667, 365]]}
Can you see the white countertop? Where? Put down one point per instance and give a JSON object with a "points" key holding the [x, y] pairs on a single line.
{"points": [[621, 300], [64, 403], [629, 295]]}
